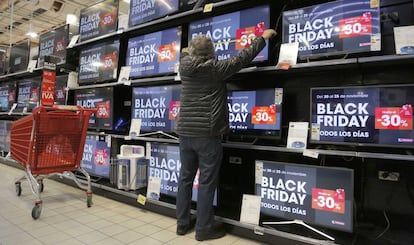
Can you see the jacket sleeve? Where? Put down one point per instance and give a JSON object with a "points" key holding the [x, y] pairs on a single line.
{"points": [[228, 67]]}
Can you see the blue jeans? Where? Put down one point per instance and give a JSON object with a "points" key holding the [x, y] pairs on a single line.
{"points": [[205, 153]]}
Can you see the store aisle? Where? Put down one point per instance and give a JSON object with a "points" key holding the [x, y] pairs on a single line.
{"points": [[65, 219]]}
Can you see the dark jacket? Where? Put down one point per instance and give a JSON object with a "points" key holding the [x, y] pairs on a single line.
{"points": [[203, 106]]}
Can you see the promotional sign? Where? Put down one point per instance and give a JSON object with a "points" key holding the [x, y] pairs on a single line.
{"points": [[141, 11], [28, 95], [256, 111], [99, 63], [317, 195], [154, 53], [53, 43], [157, 107], [164, 163], [369, 115], [7, 95], [48, 83], [60, 89], [98, 20], [96, 156], [338, 27], [233, 32], [101, 99]]}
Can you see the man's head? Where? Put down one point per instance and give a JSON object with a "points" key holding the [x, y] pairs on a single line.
{"points": [[202, 46]]}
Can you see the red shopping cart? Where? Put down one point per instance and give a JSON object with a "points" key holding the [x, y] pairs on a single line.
{"points": [[50, 141]]}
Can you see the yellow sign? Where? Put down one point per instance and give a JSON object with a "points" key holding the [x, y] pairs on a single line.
{"points": [[141, 199], [208, 8]]}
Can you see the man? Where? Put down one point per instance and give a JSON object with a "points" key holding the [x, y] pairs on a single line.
{"points": [[202, 121]]}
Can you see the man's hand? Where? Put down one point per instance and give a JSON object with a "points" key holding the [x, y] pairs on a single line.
{"points": [[268, 33]]}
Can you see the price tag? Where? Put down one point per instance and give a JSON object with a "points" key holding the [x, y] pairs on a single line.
{"points": [[264, 114], [103, 109], [167, 53], [355, 26], [208, 8], [174, 110], [329, 200], [394, 118], [141, 199]]}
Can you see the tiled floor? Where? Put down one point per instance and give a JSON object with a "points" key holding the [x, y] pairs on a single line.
{"points": [[65, 219]]}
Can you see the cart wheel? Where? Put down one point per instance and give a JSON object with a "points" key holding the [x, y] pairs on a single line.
{"points": [[89, 200], [37, 209], [18, 189], [41, 186]]}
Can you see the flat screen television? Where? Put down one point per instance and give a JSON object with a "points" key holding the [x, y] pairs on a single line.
{"points": [[96, 156], [98, 20], [156, 106], [317, 195], [233, 32], [28, 95], [8, 92], [3, 58], [113, 106], [19, 57], [256, 112], [99, 62], [165, 163], [339, 27], [60, 89], [54, 43], [144, 11], [155, 53], [379, 115]]}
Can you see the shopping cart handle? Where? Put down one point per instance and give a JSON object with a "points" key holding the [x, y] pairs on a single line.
{"points": [[74, 108]]}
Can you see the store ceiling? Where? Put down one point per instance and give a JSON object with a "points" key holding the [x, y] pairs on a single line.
{"points": [[47, 15]]}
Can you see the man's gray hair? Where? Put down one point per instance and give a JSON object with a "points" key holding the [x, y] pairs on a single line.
{"points": [[203, 46]]}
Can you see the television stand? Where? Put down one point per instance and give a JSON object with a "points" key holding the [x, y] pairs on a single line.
{"points": [[242, 140], [299, 222], [159, 132]]}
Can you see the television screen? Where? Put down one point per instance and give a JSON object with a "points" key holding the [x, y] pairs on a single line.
{"points": [[5, 128], [19, 57], [165, 163], [96, 156], [28, 95], [233, 32], [60, 89], [317, 195], [3, 57], [99, 62], [112, 103], [157, 107], [154, 53], [144, 11], [368, 115], [98, 20], [54, 43], [7, 95], [338, 27], [256, 112]]}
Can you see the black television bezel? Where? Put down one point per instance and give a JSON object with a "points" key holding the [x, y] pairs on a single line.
{"points": [[98, 5], [53, 34], [89, 136], [158, 74], [331, 54], [268, 46], [25, 46], [11, 85], [354, 144], [235, 134], [32, 80]]}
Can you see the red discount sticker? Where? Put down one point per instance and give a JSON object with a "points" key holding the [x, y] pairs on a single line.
{"points": [[328, 200], [355, 26], [174, 110], [264, 114], [103, 109], [166, 53], [394, 118]]}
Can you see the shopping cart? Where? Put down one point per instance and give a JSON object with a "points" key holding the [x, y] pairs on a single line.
{"points": [[50, 141]]}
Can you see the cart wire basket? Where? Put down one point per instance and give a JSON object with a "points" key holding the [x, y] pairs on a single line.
{"points": [[50, 141]]}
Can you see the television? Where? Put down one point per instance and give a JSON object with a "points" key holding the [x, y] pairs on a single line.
{"points": [[99, 62], [3, 58], [339, 27], [317, 195], [144, 11], [61, 89], [5, 128], [96, 156], [8, 91], [164, 163], [233, 32], [378, 115], [255, 113], [155, 53], [28, 95], [156, 106], [98, 20], [19, 57], [53, 43], [113, 106]]}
